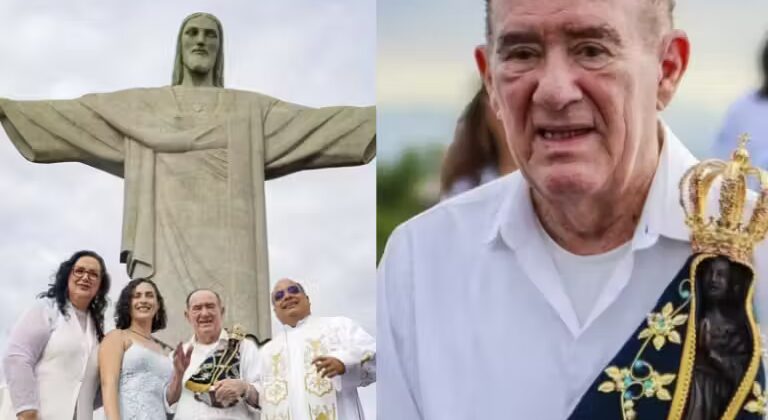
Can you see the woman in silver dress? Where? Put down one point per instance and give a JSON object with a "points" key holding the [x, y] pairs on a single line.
{"points": [[134, 365]]}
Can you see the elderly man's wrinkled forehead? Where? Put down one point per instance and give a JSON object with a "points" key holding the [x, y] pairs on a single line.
{"points": [[203, 297], [656, 15]]}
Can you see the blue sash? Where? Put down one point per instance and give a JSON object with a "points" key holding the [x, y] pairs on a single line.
{"points": [[652, 376]]}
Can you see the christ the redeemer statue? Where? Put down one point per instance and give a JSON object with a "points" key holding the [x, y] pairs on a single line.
{"points": [[194, 157]]}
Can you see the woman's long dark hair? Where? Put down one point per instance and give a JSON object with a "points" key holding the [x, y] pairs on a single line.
{"points": [[59, 290], [123, 306], [473, 147]]}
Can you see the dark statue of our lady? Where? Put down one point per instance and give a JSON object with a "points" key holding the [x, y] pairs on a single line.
{"points": [[723, 346], [724, 338], [698, 354]]}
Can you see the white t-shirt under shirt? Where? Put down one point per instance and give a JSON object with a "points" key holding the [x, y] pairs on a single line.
{"points": [[584, 277]]}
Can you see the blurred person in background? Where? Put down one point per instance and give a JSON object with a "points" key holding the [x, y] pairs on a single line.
{"points": [[749, 114], [479, 151], [134, 366], [51, 364]]}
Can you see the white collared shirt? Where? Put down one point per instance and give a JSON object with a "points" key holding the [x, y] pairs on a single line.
{"points": [[187, 408], [473, 318], [51, 363]]}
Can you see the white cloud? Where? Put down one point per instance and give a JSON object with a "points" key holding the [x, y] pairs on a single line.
{"points": [[321, 223]]}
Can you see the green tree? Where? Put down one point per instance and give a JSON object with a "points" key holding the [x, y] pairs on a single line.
{"points": [[404, 188]]}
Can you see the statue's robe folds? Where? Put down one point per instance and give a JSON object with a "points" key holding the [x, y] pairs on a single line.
{"points": [[194, 161]]}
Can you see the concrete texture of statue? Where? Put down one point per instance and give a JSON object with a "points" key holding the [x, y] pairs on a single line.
{"points": [[194, 157], [723, 339]]}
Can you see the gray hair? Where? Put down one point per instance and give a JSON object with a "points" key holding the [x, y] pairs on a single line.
{"points": [[669, 5], [201, 289]]}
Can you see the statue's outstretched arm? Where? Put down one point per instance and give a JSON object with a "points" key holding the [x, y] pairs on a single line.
{"points": [[48, 131], [298, 137]]}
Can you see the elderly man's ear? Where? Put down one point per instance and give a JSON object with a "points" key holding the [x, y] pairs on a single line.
{"points": [[675, 53]]}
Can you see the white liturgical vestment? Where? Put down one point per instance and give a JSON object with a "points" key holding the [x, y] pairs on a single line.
{"points": [[474, 321], [289, 386]]}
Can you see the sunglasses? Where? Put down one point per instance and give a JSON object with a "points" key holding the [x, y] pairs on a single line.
{"points": [[293, 289]]}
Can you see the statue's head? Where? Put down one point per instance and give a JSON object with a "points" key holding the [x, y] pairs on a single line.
{"points": [[723, 280], [716, 278], [199, 50]]}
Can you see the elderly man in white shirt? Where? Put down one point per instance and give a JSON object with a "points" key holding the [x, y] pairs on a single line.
{"points": [[238, 397], [510, 300], [312, 368]]}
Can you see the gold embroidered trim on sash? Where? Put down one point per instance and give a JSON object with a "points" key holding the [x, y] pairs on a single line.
{"points": [[685, 372], [313, 382], [754, 364], [276, 390], [648, 382], [759, 402]]}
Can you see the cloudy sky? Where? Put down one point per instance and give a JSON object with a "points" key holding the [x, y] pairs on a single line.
{"points": [[316, 53], [426, 70]]}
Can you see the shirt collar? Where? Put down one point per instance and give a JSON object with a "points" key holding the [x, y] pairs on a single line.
{"points": [[223, 337], [298, 324], [515, 223]]}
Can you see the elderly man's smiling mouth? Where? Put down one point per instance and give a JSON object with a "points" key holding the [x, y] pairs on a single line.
{"points": [[564, 132]]}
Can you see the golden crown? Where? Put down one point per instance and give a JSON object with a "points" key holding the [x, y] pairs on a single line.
{"points": [[725, 233]]}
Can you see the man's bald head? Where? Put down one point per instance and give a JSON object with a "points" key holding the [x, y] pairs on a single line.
{"points": [[290, 302], [285, 282], [658, 14]]}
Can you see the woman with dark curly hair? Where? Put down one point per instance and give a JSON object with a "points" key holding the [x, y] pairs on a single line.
{"points": [[134, 365], [51, 363]]}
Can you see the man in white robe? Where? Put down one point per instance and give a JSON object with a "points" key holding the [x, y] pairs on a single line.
{"points": [[311, 370], [194, 157]]}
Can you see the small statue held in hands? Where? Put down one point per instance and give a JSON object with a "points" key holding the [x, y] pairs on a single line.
{"points": [[723, 342]]}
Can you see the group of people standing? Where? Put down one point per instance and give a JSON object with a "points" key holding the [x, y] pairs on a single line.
{"points": [[60, 364]]}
